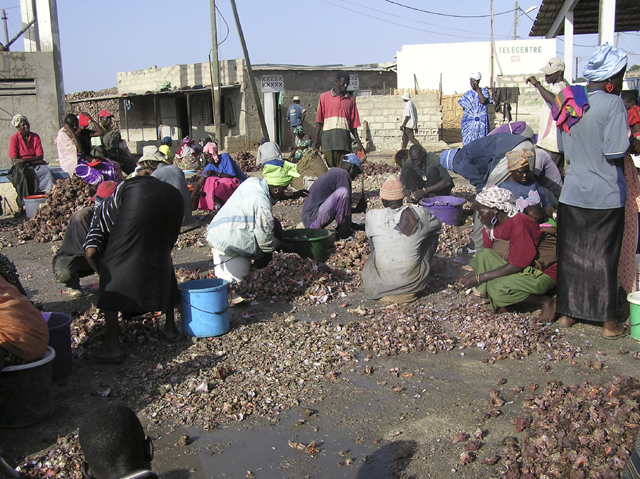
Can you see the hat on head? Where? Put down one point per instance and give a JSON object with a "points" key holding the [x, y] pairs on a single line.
{"points": [[392, 189], [476, 76], [296, 98], [554, 64], [406, 96], [83, 121], [105, 190], [17, 119], [518, 159], [353, 159], [151, 153], [263, 140], [104, 114]]}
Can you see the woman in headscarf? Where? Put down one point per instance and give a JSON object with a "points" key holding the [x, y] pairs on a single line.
{"points": [[592, 202], [220, 178], [29, 173], [303, 143], [165, 148], [475, 118], [74, 162], [522, 182], [186, 157], [509, 269]]}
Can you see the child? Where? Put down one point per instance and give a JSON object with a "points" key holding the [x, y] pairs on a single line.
{"points": [[547, 225]]}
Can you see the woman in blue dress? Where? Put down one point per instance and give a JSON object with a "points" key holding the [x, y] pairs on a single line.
{"points": [[475, 119]]}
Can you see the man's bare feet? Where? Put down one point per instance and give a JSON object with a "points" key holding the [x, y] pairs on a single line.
{"points": [[565, 321], [548, 311]]}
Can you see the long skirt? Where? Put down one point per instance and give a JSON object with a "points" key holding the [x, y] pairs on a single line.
{"points": [[512, 289], [589, 243]]}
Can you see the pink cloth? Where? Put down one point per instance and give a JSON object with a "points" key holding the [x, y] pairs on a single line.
{"points": [[220, 188]]}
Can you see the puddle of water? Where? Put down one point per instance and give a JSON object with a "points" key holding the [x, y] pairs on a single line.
{"points": [[266, 453]]}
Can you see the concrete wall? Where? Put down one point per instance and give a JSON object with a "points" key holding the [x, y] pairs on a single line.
{"points": [[455, 61], [40, 105], [383, 114], [305, 82], [529, 101]]}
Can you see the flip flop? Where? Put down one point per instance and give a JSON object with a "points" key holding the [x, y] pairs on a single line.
{"points": [[624, 333], [92, 356]]}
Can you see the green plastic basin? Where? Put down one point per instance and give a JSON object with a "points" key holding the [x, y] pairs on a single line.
{"points": [[309, 243]]}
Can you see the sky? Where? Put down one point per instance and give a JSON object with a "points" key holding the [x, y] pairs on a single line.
{"points": [[99, 39]]}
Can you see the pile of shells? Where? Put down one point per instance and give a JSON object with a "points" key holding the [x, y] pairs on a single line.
{"points": [[50, 221], [370, 169], [453, 239], [288, 278], [194, 239], [247, 162], [63, 460], [581, 431], [350, 255]]}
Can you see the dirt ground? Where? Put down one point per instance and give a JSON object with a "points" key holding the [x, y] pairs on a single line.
{"points": [[379, 416]]}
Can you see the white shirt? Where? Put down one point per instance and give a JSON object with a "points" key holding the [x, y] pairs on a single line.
{"points": [[548, 133], [410, 111]]}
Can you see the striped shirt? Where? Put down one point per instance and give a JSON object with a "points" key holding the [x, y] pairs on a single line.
{"points": [[104, 217], [338, 115]]}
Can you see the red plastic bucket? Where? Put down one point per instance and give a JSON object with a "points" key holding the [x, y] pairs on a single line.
{"points": [[448, 209]]}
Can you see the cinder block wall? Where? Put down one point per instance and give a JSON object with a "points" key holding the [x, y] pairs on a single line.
{"points": [[384, 116], [529, 101]]}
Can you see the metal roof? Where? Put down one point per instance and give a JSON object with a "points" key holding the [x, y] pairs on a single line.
{"points": [[184, 91], [373, 67], [585, 17]]}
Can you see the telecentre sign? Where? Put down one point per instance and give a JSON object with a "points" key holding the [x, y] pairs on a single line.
{"points": [[520, 49]]}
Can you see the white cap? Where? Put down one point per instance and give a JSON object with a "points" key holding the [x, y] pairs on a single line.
{"points": [[554, 64], [406, 96], [296, 98]]}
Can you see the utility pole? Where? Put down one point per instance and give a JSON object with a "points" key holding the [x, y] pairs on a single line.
{"points": [[576, 72], [491, 77], [6, 31], [254, 88], [515, 22], [215, 76]]}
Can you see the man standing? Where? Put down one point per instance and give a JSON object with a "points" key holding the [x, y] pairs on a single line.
{"points": [[548, 134], [336, 121], [295, 116], [475, 118], [424, 176], [409, 125]]}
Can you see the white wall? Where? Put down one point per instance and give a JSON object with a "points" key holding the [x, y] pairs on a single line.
{"points": [[455, 61]]}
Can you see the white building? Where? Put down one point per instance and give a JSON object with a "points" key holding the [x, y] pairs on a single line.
{"points": [[424, 66]]}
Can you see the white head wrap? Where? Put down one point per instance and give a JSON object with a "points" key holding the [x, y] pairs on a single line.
{"points": [[493, 196], [476, 76], [17, 119], [605, 63]]}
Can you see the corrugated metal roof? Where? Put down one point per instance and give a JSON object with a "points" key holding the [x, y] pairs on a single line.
{"points": [[585, 17], [374, 67]]}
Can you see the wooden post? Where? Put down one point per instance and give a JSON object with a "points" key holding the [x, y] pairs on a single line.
{"points": [[214, 68], [254, 88]]}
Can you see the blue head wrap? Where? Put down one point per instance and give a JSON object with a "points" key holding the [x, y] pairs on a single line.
{"points": [[605, 63], [166, 140]]}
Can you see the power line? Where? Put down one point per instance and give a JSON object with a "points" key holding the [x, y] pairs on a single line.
{"points": [[407, 18], [448, 14], [226, 24], [396, 23]]}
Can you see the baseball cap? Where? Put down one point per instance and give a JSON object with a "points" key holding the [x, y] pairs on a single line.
{"points": [[554, 64], [104, 113], [351, 158]]}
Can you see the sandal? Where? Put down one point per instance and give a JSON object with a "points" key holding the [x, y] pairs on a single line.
{"points": [[626, 331]]}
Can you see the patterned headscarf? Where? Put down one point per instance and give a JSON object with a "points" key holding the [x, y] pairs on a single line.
{"points": [[17, 119], [298, 130], [605, 63], [493, 196], [518, 159]]}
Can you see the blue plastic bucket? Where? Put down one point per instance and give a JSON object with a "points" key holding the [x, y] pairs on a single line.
{"points": [[204, 307]]}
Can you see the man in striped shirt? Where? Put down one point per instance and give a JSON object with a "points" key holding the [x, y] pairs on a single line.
{"points": [[336, 121]]}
